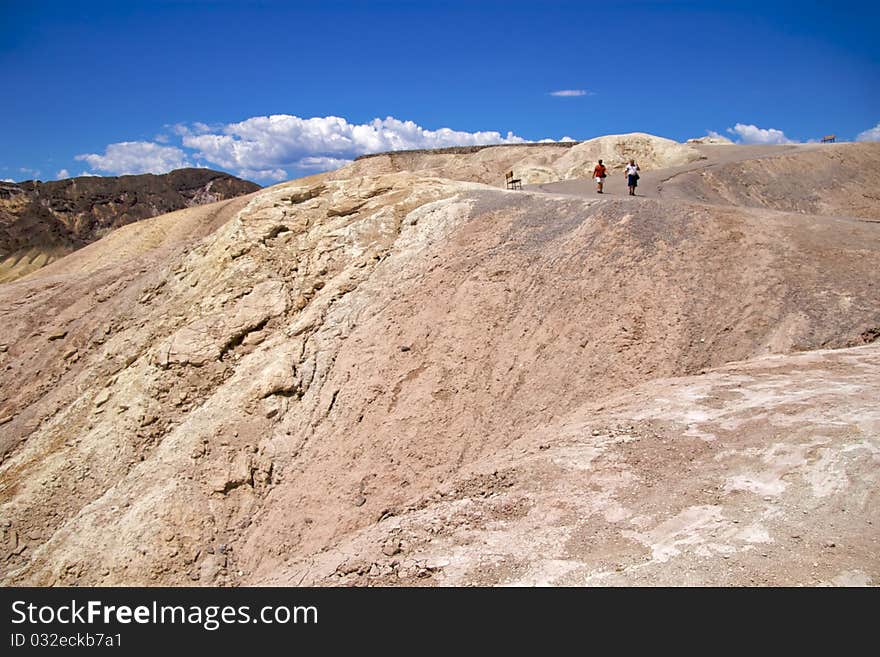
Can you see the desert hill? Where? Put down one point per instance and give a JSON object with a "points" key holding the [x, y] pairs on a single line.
{"points": [[399, 373], [43, 221], [532, 163]]}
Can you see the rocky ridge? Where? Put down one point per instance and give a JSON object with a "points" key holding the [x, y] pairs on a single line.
{"points": [[43, 221]]}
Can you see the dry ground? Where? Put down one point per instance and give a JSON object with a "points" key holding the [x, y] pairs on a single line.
{"points": [[388, 377]]}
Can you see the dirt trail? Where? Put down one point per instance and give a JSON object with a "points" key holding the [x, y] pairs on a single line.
{"points": [[817, 179], [652, 183]]}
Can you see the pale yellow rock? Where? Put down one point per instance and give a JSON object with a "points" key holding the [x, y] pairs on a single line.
{"points": [[208, 338]]}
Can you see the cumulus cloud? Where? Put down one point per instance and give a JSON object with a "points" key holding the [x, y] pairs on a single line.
{"points": [[268, 145], [7, 180], [570, 93], [135, 157], [553, 141], [322, 163], [872, 134], [201, 128], [752, 134], [64, 173], [264, 174]]}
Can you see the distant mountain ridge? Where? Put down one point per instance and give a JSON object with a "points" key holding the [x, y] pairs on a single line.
{"points": [[43, 221]]}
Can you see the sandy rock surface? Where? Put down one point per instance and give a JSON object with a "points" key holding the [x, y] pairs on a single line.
{"points": [[381, 377], [532, 163]]}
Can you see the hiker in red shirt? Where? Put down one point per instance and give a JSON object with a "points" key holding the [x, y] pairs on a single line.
{"points": [[599, 174]]}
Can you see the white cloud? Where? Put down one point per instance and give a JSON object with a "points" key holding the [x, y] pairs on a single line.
{"points": [[202, 128], [8, 180], [134, 157], [194, 128], [283, 141], [263, 174], [268, 147], [570, 93], [555, 141], [64, 173], [323, 163], [870, 135], [752, 134]]}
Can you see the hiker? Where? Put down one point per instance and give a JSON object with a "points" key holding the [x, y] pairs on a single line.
{"points": [[632, 176], [599, 174]]}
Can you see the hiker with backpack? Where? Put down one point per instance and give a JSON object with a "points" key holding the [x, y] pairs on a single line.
{"points": [[632, 176], [599, 173]]}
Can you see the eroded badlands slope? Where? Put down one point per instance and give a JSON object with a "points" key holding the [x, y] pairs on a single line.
{"points": [[43, 221], [320, 384]]}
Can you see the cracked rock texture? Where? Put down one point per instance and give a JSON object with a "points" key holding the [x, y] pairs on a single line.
{"points": [[389, 377]]}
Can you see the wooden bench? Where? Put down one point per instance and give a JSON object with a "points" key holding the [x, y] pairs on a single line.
{"points": [[512, 183], [829, 139]]}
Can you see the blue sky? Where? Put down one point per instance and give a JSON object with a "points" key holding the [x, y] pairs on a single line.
{"points": [[126, 87]]}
